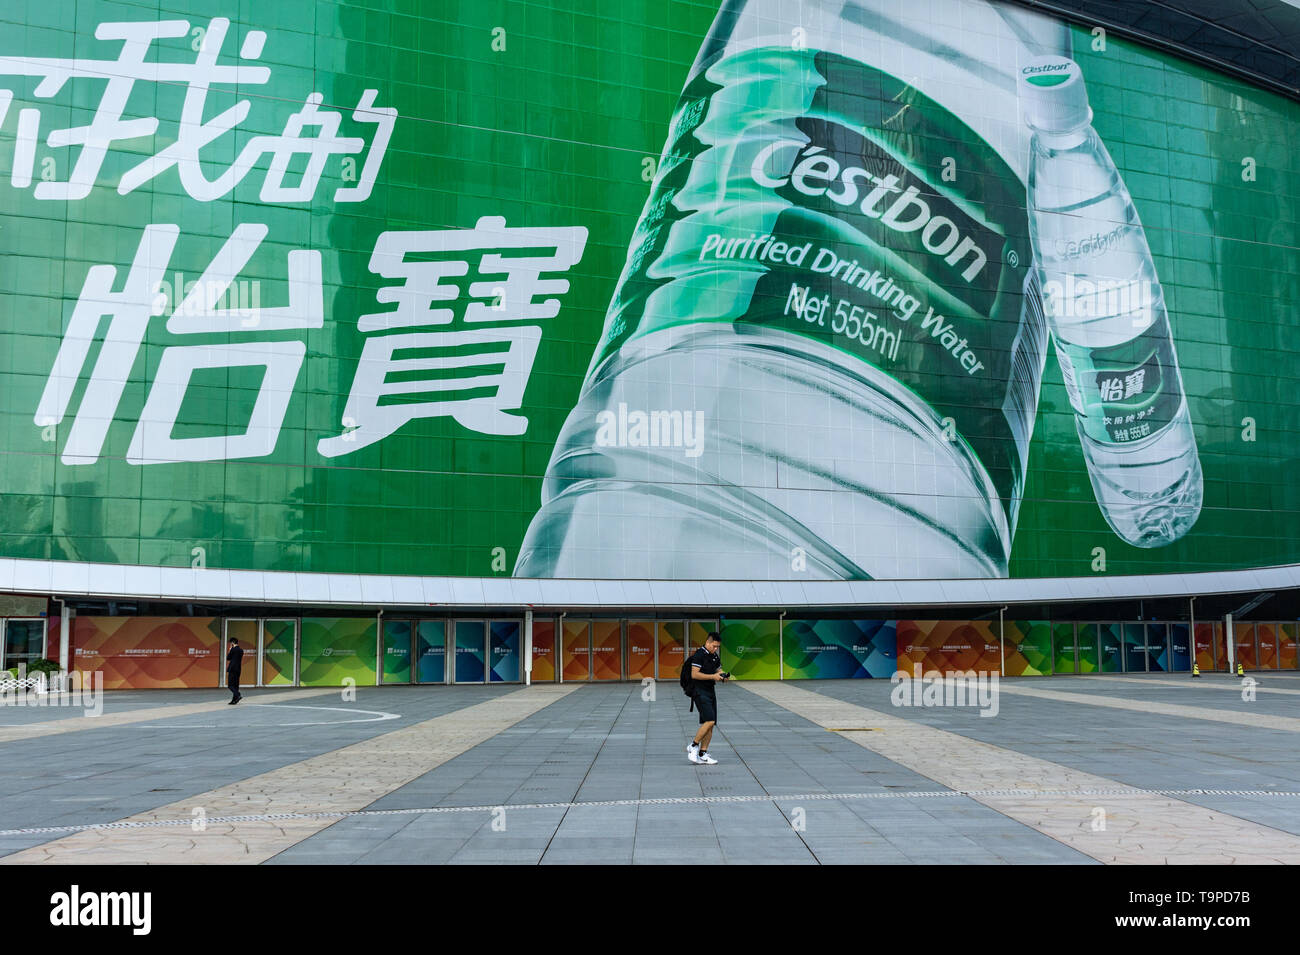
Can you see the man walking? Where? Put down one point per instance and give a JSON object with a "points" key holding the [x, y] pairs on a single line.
{"points": [[705, 664], [234, 663]]}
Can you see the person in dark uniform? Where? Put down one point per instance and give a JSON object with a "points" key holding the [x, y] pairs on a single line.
{"points": [[234, 663], [705, 664]]}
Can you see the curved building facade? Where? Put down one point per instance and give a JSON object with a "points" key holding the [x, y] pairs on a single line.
{"points": [[427, 343]]}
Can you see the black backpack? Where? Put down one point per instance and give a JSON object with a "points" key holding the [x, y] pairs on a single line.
{"points": [[688, 681]]}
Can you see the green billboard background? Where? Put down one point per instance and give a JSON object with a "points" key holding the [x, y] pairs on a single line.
{"points": [[550, 117], [338, 648]]}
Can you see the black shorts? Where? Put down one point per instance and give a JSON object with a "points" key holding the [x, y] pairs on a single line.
{"points": [[707, 704]]}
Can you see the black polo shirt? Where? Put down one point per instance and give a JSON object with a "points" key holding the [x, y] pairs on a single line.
{"points": [[707, 663]]}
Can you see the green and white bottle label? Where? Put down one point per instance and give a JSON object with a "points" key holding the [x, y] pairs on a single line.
{"points": [[812, 193], [1123, 393]]}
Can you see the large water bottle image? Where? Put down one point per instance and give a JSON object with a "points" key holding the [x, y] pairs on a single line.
{"points": [[1106, 310], [824, 353]]}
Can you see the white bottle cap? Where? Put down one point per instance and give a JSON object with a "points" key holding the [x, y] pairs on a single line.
{"points": [[1054, 97]]}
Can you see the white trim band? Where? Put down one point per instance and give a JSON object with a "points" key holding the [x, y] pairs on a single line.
{"points": [[114, 581]]}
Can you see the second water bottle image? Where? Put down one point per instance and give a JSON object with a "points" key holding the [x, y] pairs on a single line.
{"points": [[1106, 309]]}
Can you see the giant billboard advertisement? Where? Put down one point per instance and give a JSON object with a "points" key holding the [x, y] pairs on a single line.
{"points": [[777, 290]]}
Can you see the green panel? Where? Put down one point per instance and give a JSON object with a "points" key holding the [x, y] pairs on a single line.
{"points": [[1089, 662], [751, 649], [1064, 645], [1027, 647], [397, 651], [278, 648], [337, 649]]}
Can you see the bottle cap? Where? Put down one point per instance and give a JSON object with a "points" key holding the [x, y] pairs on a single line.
{"points": [[1054, 97]]}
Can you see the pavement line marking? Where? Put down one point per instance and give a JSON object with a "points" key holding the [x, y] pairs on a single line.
{"points": [[378, 716], [298, 800], [776, 798], [1233, 683], [76, 722], [1142, 827], [1288, 724], [375, 716]]}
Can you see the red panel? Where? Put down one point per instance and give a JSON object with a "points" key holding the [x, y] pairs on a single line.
{"points": [[1244, 645], [150, 652], [1286, 646], [1204, 650], [640, 649], [576, 658], [606, 650], [1266, 645], [1220, 648], [672, 650], [945, 646], [543, 651]]}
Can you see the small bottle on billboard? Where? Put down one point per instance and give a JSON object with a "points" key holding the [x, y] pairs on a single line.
{"points": [[1107, 314]]}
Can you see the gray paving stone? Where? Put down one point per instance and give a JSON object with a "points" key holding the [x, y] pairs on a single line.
{"points": [[603, 743]]}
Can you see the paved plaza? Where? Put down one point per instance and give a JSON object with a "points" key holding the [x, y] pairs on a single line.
{"points": [[1069, 770]]}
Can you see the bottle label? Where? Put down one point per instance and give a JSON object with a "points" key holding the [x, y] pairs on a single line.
{"points": [[1124, 393], [812, 193]]}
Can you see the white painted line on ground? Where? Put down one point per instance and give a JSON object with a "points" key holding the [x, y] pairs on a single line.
{"points": [[663, 801], [375, 716]]}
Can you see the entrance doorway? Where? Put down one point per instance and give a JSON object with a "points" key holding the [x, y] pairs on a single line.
{"points": [[270, 646]]}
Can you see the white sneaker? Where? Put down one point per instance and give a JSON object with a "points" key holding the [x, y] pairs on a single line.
{"points": [[706, 758], [693, 752]]}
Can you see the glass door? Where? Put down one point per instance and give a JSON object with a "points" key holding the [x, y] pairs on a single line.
{"points": [[607, 649], [24, 642], [397, 652], [1244, 639], [1203, 646], [1266, 645], [1157, 648], [248, 633], [1065, 646], [544, 656], [1286, 646], [1135, 647], [576, 656], [506, 637], [640, 650], [279, 653], [671, 651], [431, 651], [270, 648], [1180, 647], [1089, 658], [1110, 637], [471, 651]]}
